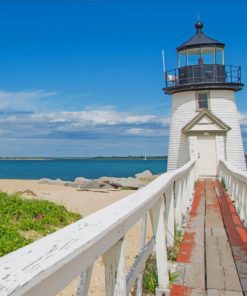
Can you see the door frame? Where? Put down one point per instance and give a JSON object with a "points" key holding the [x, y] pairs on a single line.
{"points": [[198, 138]]}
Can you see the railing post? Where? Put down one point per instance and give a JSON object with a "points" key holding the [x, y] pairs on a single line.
{"points": [[183, 199], [230, 184], [85, 279], [187, 191], [242, 194], [243, 209], [227, 181], [170, 217], [142, 244], [115, 277], [178, 203], [237, 195], [191, 187], [233, 192], [158, 225]]}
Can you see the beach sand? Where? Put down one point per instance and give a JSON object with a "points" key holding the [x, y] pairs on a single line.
{"points": [[85, 203]]}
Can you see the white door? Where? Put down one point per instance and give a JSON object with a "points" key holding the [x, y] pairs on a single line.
{"points": [[206, 149]]}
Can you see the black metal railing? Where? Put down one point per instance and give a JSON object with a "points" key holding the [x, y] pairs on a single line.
{"points": [[196, 74]]}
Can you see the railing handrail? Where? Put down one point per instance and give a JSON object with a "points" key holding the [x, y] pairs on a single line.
{"points": [[235, 182], [80, 243], [239, 174]]}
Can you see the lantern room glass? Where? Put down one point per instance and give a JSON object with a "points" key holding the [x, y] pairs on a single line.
{"points": [[200, 56]]}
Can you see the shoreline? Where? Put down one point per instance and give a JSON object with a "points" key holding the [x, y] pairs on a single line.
{"points": [[89, 158]]}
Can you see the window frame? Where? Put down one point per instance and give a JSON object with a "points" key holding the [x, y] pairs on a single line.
{"points": [[198, 109]]}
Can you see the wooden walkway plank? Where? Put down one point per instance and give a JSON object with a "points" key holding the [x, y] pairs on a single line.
{"points": [[220, 267], [206, 241], [191, 251], [236, 232]]}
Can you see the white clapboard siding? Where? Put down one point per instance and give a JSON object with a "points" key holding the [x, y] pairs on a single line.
{"points": [[220, 146], [222, 104], [183, 110]]}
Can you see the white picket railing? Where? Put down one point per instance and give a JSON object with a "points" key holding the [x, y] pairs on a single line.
{"points": [[236, 184], [46, 266]]}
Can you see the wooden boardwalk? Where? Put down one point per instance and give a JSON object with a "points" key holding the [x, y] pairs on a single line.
{"points": [[212, 257]]}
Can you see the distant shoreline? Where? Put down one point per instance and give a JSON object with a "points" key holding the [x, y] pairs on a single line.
{"points": [[164, 157], [89, 158]]}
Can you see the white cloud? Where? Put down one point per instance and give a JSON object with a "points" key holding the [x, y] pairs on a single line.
{"points": [[243, 121], [158, 132], [98, 117], [22, 99], [94, 122]]}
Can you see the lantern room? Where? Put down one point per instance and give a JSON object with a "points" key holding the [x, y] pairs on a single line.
{"points": [[200, 50], [201, 63]]}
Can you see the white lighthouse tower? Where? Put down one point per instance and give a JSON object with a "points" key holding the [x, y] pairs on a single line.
{"points": [[204, 121]]}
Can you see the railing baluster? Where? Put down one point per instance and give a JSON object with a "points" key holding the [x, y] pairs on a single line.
{"points": [[238, 195], [170, 217], [85, 279], [183, 200], [187, 191], [244, 205], [191, 187], [178, 204], [158, 225], [115, 277], [242, 201], [233, 194], [142, 244], [230, 185]]}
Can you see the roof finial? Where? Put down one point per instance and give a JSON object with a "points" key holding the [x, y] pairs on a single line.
{"points": [[198, 16], [199, 25]]}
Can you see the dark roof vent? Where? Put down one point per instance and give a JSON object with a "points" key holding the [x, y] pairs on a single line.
{"points": [[199, 26], [200, 40]]}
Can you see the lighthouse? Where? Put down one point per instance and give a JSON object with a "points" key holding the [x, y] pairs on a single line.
{"points": [[204, 118]]}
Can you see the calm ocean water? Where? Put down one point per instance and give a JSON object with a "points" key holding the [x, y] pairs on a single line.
{"points": [[68, 169]]}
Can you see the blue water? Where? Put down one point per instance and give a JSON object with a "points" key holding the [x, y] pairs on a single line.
{"points": [[68, 169]]}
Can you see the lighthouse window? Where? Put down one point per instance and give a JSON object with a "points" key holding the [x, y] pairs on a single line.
{"points": [[194, 56], [219, 56], [182, 59], [202, 101], [208, 55]]}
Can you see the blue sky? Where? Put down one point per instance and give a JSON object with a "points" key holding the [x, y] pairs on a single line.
{"points": [[84, 78]]}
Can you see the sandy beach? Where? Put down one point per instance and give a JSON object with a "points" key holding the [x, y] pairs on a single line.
{"points": [[85, 203]]}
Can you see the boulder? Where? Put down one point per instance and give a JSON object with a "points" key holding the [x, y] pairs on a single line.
{"points": [[130, 183], [81, 180], [51, 181], [97, 184], [144, 175], [72, 184], [110, 180], [107, 186]]}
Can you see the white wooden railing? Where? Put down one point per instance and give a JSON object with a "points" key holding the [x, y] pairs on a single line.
{"points": [[46, 266], [235, 181]]}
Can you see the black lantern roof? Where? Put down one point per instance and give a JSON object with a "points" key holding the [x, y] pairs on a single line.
{"points": [[200, 39]]}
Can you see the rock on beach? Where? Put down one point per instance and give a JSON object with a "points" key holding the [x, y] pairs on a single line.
{"points": [[140, 180]]}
